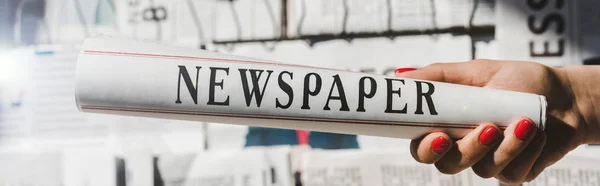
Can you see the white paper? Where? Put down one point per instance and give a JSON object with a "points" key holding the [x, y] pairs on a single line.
{"points": [[487, 50], [51, 88], [251, 166], [266, 21], [31, 168], [89, 166], [231, 20], [15, 99], [225, 136], [229, 168], [457, 13], [244, 20], [380, 167], [188, 31], [174, 168], [139, 167], [412, 15], [131, 20], [127, 77], [367, 16], [375, 142], [278, 158], [316, 17]]}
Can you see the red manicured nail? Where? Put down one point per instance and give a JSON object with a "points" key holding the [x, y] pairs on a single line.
{"points": [[524, 129], [440, 145], [400, 70], [489, 136]]}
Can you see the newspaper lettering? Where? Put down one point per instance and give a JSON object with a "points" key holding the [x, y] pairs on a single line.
{"points": [[395, 175], [338, 176], [312, 86], [554, 18]]}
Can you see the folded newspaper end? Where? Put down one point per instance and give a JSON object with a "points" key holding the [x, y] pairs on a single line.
{"points": [[76, 88], [135, 78], [543, 107]]}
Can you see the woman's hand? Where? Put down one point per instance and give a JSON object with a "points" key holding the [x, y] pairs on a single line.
{"points": [[521, 151]]}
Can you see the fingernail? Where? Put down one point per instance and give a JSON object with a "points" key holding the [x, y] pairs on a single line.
{"points": [[524, 129], [400, 70], [440, 145], [489, 136]]}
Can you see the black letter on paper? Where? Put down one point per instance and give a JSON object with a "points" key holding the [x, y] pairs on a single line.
{"points": [[256, 92], [362, 94], [390, 92], [183, 73], [213, 84], [342, 95], [287, 89], [427, 96], [307, 90]]}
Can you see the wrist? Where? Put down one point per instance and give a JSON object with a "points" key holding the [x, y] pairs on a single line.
{"points": [[585, 95]]}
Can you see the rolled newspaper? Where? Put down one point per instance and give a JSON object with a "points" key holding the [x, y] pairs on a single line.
{"points": [[136, 78]]}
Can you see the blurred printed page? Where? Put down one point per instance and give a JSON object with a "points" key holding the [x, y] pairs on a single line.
{"points": [[578, 168], [381, 167], [247, 167], [555, 33]]}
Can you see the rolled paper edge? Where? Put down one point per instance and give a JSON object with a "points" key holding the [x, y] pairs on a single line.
{"points": [[543, 108], [78, 71]]}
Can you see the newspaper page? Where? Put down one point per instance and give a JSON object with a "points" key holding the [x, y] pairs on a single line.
{"points": [[229, 168], [260, 166], [32, 168], [51, 72], [555, 33], [578, 168], [381, 167], [278, 159], [139, 167], [89, 166], [378, 16], [15, 104]]}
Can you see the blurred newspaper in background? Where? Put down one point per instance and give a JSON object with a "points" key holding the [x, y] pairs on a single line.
{"points": [[555, 33]]}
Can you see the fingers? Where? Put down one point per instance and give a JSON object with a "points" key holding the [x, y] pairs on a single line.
{"points": [[560, 140], [518, 170], [470, 149], [474, 73], [509, 156], [430, 148], [516, 138]]}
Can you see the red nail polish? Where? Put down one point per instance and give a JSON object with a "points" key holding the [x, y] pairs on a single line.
{"points": [[489, 136], [440, 145], [400, 70], [524, 129]]}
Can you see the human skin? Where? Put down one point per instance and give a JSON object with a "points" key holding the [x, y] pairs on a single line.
{"points": [[520, 152]]}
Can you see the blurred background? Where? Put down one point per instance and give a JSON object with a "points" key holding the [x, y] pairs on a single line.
{"points": [[46, 141]]}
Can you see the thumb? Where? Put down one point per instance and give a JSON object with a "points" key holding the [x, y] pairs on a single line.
{"points": [[465, 73]]}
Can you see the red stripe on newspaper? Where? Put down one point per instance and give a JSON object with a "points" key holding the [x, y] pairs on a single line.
{"points": [[292, 118], [197, 58]]}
